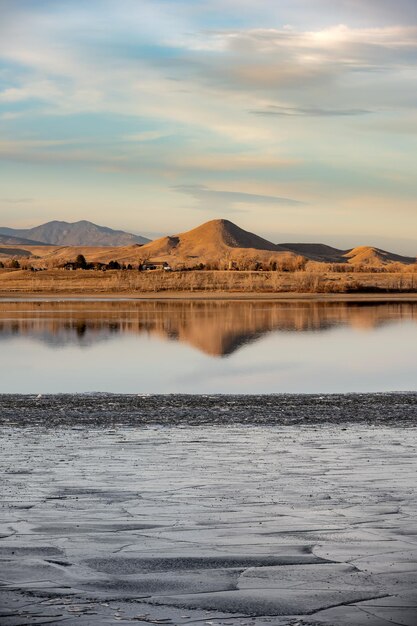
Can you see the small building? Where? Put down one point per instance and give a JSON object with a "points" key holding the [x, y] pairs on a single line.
{"points": [[155, 265]]}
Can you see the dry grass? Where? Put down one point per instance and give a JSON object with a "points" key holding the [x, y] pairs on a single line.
{"points": [[130, 282]]}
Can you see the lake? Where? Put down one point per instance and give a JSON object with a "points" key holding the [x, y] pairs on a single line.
{"points": [[207, 347]]}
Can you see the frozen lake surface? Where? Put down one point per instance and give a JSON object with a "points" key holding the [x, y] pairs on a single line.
{"points": [[239, 510], [206, 347]]}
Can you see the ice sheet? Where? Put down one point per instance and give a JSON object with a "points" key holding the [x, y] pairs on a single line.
{"points": [[235, 521]]}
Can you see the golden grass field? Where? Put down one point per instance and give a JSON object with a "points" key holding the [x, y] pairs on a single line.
{"points": [[86, 282]]}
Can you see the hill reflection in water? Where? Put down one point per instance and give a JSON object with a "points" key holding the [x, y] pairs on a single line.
{"points": [[215, 328], [207, 347]]}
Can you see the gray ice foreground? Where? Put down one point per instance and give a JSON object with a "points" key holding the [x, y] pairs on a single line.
{"points": [[276, 524]]}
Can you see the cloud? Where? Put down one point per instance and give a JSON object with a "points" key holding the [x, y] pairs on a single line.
{"points": [[226, 162], [16, 200], [338, 49], [57, 152], [22, 145], [210, 198], [146, 135], [277, 62], [288, 111], [129, 68], [375, 11]]}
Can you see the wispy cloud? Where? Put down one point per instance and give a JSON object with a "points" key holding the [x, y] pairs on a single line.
{"points": [[146, 135], [16, 200], [231, 200], [240, 162], [57, 152], [286, 111]]}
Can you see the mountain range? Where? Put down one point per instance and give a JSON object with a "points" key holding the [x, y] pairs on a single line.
{"points": [[212, 242], [58, 233]]}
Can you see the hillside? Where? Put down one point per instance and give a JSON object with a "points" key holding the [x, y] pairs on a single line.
{"points": [[316, 251], [213, 241], [9, 240], [374, 257], [361, 255], [82, 233], [9, 252]]}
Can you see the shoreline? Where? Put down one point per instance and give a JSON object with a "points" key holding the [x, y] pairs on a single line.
{"points": [[212, 296], [130, 410]]}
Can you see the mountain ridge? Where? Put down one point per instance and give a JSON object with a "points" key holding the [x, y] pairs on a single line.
{"points": [[80, 233]]}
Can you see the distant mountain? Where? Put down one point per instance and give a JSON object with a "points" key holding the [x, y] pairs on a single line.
{"points": [[82, 233]]}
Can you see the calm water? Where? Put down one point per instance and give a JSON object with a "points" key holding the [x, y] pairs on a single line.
{"points": [[207, 347]]}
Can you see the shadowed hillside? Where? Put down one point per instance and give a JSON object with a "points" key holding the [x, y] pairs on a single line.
{"points": [[316, 252]]}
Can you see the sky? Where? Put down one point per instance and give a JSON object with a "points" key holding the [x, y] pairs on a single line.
{"points": [[295, 119]]}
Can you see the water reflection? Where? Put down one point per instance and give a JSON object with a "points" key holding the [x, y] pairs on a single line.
{"points": [[217, 328], [207, 347]]}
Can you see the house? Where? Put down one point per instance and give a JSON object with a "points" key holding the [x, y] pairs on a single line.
{"points": [[155, 265]]}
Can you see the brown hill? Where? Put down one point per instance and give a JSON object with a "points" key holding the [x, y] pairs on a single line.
{"points": [[42, 254], [9, 252], [217, 240], [361, 255], [211, 237], [374, 257]]}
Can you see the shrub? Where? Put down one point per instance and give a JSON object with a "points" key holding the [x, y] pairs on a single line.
{"points": [[81, 262]]}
